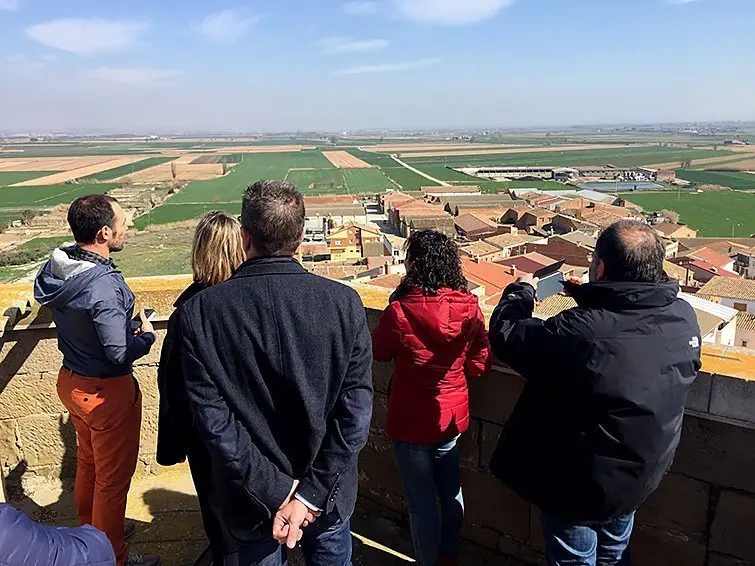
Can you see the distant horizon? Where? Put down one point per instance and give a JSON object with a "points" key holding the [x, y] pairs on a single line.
{"points": [[661, 127]]}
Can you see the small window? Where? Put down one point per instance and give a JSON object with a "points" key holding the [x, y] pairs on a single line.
{"points": [[339, 242], [741, 307], [744, 343]]}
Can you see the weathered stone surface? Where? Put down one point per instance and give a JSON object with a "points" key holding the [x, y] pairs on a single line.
{"points": [[733, 398], [30, 394], [716, 559], [469, 446], [379, 412], [30, 356], [654, 547], [519, 549], [679, 507], [487, 538], [381, 376], [493, 397], [698, 398], [154, 354], [10, 453], [731, 532], [147, 378], [148, 438], [488, 442], [717, 453], [46, 440], [490, 504], [378, 476], [537, 541]]}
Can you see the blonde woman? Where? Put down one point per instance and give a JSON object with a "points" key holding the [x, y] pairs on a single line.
{"points": [[217, 251]]}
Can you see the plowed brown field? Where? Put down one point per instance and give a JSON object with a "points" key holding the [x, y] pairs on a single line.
{"points": [[344, 160], [59, 178], [184, 172], [61, 163]]}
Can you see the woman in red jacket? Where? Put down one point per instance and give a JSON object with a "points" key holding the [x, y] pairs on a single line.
{"points": [[434, 332]]}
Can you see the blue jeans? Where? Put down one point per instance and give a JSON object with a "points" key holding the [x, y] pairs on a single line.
{"points": [[327, 542], [430, 474], [605, 544]]}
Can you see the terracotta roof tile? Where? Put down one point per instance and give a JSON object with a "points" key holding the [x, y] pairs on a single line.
{"points": [[472, 223], [729, 288], [494, 277], [480, 248], [510, 240], [712, 257], [554, 305], [746, 322]]}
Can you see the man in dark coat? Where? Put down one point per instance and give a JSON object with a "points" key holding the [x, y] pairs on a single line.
{"points": [[600, 418], [278, 365]]}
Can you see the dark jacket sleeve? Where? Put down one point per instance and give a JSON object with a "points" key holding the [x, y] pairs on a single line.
{"points": [[22, 541], [174, 421], [114, 330], [386, 337], [535, 348], [479, 357], [226, 439], [348, 423]]}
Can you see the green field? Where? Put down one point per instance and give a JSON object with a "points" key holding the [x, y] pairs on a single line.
{"points": [[13, 177], [169, 213], [713, 214], [48, 195], [111, 174], [32, 251], [723, 178], [623, 157]]}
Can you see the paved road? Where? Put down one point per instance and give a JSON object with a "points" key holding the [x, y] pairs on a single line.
{"points": [[418, 172]]}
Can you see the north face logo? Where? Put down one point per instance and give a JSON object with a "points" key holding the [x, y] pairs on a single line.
{"points": [[695, 342]]}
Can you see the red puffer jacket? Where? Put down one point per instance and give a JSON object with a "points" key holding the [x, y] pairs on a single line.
{"points": [[437, 343]]}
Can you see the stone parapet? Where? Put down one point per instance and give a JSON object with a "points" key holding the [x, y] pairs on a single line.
{"points": [[701, 515]]}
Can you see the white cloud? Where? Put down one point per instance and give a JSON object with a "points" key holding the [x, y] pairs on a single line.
{"points": [[132, 75], [451, 12], [360, 8], [9, 4], [228, 26], [349, 45], [386, 67], [87, 36]]}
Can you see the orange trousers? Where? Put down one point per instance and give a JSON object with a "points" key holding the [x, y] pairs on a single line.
{"points": [[107, 415]]}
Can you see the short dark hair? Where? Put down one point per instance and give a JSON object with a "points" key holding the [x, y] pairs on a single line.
{"points": [[632, 251], [272, 212], [88, 215], [434, 264]]}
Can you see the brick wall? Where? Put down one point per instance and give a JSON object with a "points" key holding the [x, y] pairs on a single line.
{"points": [[702, 514]]}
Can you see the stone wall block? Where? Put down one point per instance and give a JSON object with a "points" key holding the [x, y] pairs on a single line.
{"points": [[733, 523], [30, 394]]}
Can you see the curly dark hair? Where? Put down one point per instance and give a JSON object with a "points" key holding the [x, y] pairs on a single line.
{"points": [[433, 264]]}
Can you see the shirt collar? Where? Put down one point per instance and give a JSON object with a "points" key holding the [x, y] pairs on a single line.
{"points": [[79, 253]]}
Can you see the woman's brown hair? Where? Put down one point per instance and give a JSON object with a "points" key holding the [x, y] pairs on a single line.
{"points": [[217, 250]]}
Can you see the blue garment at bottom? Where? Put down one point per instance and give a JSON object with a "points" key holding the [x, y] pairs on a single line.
{"points": [[327, 542], [430, 474], [604, 544]]}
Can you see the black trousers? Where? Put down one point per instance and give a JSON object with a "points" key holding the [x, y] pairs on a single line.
{"points": [[222, 544]]}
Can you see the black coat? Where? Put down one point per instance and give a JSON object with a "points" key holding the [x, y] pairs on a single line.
{"points": [[278, 366], [600, 418], [175, 424]]}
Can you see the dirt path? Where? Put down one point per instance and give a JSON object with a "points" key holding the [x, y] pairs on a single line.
{"points": [[418, 172]]}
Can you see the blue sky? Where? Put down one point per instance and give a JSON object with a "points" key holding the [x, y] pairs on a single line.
{"points": [[268, 65]]}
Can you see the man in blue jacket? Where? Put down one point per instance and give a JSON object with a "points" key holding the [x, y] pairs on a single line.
{"points": [[278, 366], [26, 543], [600, 418], [92, 308]]}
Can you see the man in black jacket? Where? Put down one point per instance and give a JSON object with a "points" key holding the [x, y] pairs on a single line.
{"points": [[278, 364], [600, 418]]}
